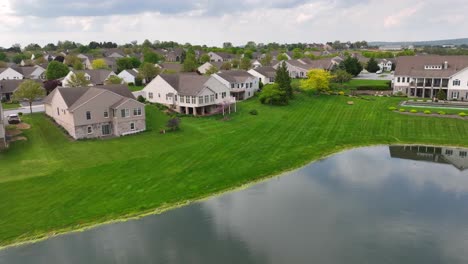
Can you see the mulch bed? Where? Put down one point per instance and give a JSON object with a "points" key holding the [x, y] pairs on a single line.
{"points": [[432, 115]]}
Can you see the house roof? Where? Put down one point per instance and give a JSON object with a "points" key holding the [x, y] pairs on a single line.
{"points": [[224, 55], [9, 86], [132, 72], [26, 71], [111, 51], [186, 83], [177, 67], [74, 97], [414, 65], [266, 71], [97, 76], [235, 76], [308, 64]]}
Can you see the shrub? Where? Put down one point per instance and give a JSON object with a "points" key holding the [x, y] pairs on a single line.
{"points": [[372, 88], [20, 113], [138, 81], [141, 99], [400, 94], [341, 93], [402, 110], [173, 124], [392, 108], [14, 101], [413, 111], [462, 114], [427, 112], [253, 112], [441, 113], [130, 84]]}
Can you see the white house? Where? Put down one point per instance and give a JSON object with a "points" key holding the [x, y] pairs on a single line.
{"points": [[95, 77], [266, 75], [10, 74], [424, 76], [385, 65], [207, 65], [299, 68], [241, 84], [190, 94], [86, 60], [256, 64], [32, 72], [129, 75], [220, 56]]}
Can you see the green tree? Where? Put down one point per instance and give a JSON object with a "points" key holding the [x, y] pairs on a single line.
{"points": [[190, 63], [341, 76], [351, 65], [3, 57], [372, 66], [245, 63], [114, 79], [71, 60], [234, 63], [212, 70], [282, 57], [226, 66], [127, 63], [78, 79], [56, 70], [205, 58], [273, 94], [318, 80], [284, 80], [297, 53], [29, 91], [266, 60], [78, 66], [148, 71], [441, 95], [151, 57], [99, 64]]}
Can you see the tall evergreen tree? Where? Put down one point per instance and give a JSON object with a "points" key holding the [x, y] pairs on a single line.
{"points": [[372, 65], [284, 80]]}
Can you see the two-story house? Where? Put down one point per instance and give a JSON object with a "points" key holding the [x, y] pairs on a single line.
{"points": [[266, 75], [92, 112], [241, 84], [385, 65], [10, 74], [300, 67], [424, 76], [95, 77], [32, 72], [187, 93]]}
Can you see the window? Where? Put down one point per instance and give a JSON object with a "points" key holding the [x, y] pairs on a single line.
{"points": [[125, 112], [223, 95], [181, 98], [455, 95], [207, 98], [90, 129], [216, 95], [106, 114], [242, 85], [187, 99], [398, 79], [150, 95], [407, 79], [232, 85], [175, 97], [456, 82], [137, 111], [251, 85], [159, 95], [448, 152], [132, 126], [212, 98], [194, 100], [88, 115], [463, 154], [200, 100], [58, 111], [106, 130]]}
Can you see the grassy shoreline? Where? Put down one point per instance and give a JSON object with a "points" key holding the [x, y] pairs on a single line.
{"points": [[71, 192]]}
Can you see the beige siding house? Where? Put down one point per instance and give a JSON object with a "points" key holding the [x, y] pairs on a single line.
{"points": [[91, 112]]}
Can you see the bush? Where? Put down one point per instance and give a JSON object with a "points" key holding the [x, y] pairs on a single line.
{"points": [[20, 113], [400, 94], [413, 111], [141, 99], [427, 112], [138, 81], [372, 88], [253, 112], [392, 108], [14, 102], [341, 93], [402, 110], [462, 114], [441, 113], [130, 84]]}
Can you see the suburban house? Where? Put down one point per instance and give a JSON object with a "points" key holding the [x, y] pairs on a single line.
{"points": [[188, 93], [256, 64], [241, 84], [266, 75], [299, 68], [32, 72], [207, 65], [220, 56], [391, 47], [174, 55], [385, 65], [3, 143], [170, 67], [86, 60], [114, 53], [92, 112], [95, 77], [7, 88], [10, 74], [424, 76], [111, 63], [129, 75]]}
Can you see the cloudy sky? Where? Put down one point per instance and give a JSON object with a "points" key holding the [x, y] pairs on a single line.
{"points": [[213, 22]]}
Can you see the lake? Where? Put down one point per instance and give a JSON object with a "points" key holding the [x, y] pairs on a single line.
{"points": [[382, 204]]}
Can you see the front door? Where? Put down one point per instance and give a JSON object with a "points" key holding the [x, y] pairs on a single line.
{"points": [[106, 130]]}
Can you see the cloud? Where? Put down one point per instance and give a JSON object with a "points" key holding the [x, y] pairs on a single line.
{"points": [[400, 17]]}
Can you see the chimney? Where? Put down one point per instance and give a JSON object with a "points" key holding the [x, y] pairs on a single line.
{"points": [[445, 65]]}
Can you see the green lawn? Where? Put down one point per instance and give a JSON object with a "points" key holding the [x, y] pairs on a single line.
{"points": [[135, 88], [434, 110], [50, 183], [10, 106]]}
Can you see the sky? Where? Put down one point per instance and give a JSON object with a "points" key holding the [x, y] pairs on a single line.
{"points": [[213, 22]]}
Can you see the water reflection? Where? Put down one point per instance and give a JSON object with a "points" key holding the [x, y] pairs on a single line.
{"points": [[361, 206]]}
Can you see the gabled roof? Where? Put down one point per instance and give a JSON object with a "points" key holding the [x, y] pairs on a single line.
{"points": [[27, 70], [132, 72], [266, 71], [186, 83], [111, 51], [177, 67], [235, 76], [414, 65], [9, 86], [308, 64], [224, 55], [97, 76]]}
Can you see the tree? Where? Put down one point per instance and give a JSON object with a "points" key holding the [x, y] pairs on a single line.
{"points": [[78, 79], [297, 53], [148, 71], [56, 70], [59, 58], [235, 63], [190, 63], [78, 66], [205, 58], [71, 60], [3, 56], [127, 63], [441, 95], [99, 64], [245, 63], [266, 60], [173, 124], [50, 85], [282, 57], [212, 70], [284, 80], [372, 66], [342, 76], [273, 94], [114, 79], [226, 66], [29, 91], [351, 65], [151, 57], [318, 80], [40, 60], [3, 64]]}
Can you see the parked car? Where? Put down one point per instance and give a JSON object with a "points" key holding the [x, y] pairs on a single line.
{"points": [[13, 119]]}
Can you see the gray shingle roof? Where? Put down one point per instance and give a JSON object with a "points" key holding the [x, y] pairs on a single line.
{"points": [[235, 76], [414, 65], [9, 86], [97, 77], [266, 71], [186, 83]]}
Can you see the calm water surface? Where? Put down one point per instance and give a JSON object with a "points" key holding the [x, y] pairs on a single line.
{"points": [[370, 205]]}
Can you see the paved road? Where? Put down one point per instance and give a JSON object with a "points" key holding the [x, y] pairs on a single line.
{"points": [[25, 110], [374, 76]]}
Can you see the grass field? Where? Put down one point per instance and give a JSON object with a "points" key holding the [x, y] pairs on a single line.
{"points": [[10, 106], [135, 88], [50, 183]]}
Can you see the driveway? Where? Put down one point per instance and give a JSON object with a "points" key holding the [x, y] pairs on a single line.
{"points": [[38, 108], [375, 76]]}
